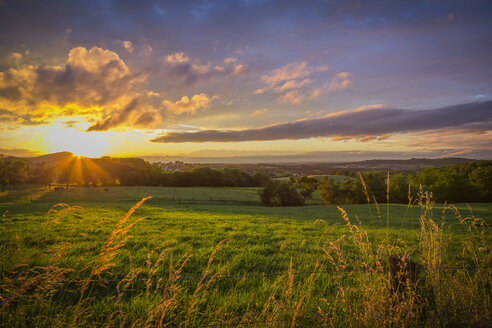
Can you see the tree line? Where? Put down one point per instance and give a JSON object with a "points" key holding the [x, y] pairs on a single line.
{"points": [[108, 171], [293, 192], [470, 182], [459, 183]]}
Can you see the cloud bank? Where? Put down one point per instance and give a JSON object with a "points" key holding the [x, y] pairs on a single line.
{"points": [[363, 124], [95, 83]]}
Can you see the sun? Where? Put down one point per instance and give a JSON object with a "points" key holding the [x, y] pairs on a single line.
{"points": [[81, 143]]}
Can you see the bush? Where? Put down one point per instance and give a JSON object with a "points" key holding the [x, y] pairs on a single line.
{"points": [[287, 195], [306, 185], [267, 193], [330, 192], [280, 194]]}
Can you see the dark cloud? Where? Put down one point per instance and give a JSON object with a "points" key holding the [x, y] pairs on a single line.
{"points": [[184, 71], [7, 116], [362, 124], [131, 113]]}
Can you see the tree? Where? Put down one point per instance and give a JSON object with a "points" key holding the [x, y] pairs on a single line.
{"points": [[280, 194], [17, 172], [399, 188], [306, 185], [268, 192], [453, 187], [287, 195], [42, 174], [330, 191], [481, 177], [64, 175], [4, 179], [260, 178], [375, 185]]}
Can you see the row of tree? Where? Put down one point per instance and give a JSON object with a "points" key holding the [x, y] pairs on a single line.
{"points": [[470, 182], [108, 171]]}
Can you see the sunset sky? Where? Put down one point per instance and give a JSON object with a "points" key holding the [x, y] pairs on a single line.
{"points": [[251, 78]]}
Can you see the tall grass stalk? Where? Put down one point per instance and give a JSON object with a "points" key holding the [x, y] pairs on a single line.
{"points": [[349, 284]]}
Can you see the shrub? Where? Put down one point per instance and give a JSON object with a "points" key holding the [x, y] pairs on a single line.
{"points": [[280, 194], [287, 195], [268, 192]]}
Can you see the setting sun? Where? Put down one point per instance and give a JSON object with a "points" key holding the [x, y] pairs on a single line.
{"points": [[89, 144]]}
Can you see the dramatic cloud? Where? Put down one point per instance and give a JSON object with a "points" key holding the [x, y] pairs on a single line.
{"points": [[363, 124], [304, 59], [94, 82], [137, 112], [187, 105]]}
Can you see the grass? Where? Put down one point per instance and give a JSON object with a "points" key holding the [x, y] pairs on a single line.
{"points": [[337, 178], [82, 265]]}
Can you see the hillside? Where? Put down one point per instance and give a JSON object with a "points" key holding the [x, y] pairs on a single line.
{"points": [[53, 159], [281, 169]]}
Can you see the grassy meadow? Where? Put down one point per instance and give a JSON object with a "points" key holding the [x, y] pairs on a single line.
{"points": [[214, 257]]}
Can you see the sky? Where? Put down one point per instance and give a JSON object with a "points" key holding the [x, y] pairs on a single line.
{"points": [[272, 80]]}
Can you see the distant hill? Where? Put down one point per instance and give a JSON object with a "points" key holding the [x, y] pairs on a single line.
{"points": [[53, 159], [7, 157], [388, 164], [56, 159], [317, 168]]}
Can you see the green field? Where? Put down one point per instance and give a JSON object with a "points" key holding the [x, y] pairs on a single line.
{"points": [[319, 177], [70, 264]]}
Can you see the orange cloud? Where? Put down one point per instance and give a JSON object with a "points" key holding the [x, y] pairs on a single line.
{"points": [[293, 84], [128, 46], [17, 56], [294, 97], [177, 58], [291, 71], [339, 82], [94, 83], [187, 105], [259, 112], [293, 79]]}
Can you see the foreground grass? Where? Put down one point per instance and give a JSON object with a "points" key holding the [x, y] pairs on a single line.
{"points": [[73, 265]]}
